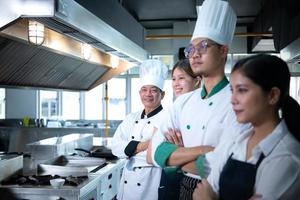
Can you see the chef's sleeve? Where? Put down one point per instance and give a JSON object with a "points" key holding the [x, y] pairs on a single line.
{"points": [[121, 138]]}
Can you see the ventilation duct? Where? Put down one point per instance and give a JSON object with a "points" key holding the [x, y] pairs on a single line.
{"points": [[72, 22]]}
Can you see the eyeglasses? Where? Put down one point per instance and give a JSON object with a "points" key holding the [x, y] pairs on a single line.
{"points": [[201, 48]]}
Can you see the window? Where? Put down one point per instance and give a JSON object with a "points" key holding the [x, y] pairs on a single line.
{"points": [[70, 105], [136, 103], [169, 96], [2, 103], [117, 99], [295, 88], [93, 103], [231, 60], [48, 104]]}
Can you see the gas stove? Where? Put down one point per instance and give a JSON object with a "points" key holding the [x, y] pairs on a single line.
{"points": [[102, 184], [76, 171], [42, 180], [38, 187]]}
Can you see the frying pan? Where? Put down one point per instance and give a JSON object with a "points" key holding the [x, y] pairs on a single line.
{"points": [[100, 152]]}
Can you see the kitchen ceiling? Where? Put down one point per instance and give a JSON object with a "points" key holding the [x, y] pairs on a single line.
{"points": [[155, 15], [274, 20], [259, 22], [162, 14]]}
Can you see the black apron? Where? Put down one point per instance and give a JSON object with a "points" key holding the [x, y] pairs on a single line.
{"points": [[237, 179], [170, 183]]}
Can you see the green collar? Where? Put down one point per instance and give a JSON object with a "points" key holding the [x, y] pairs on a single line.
{"points": [[215, 89]]}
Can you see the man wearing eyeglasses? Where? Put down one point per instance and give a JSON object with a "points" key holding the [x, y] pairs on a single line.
{"points": [[195, 123]]}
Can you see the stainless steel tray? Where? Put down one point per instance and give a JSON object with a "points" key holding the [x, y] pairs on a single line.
{"points": [[71, 166], [51, 148]]}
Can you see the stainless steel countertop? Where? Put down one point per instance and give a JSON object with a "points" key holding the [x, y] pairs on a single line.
{"points": [[66, 192]]}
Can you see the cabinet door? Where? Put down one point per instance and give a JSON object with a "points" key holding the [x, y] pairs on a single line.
{"points": [[110, 184], [91, 195]]}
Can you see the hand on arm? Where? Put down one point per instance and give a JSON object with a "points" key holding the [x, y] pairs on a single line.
{"points": [[184, 155], [190, 167], [142, 146], [148, 156], [174, 136], [204, 191], [149, 149]]}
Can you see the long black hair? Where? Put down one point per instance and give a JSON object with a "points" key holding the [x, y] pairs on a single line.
{"points": [[269, 71]]}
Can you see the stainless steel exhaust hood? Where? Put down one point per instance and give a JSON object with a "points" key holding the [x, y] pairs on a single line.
{"points": [[42, 66], [291, 54]]}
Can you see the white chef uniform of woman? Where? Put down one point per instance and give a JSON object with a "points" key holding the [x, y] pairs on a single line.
{"points": [[140, 180], [278, 148]]}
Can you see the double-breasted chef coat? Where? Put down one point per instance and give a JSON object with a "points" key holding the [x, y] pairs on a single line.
{"points": [[202, 121], [140, 180]]}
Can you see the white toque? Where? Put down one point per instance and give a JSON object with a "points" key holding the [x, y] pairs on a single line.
{"points": [[216, 21], [153, 72]]}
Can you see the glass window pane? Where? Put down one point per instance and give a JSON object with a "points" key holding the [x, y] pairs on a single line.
{"points": [[295, 88], [93, 103], [136, 103], [168, 99], [70, 105], [117, 99], [117, 88], [48, 104], [2, 103]]}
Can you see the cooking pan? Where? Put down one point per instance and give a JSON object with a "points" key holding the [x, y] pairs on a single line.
{"points": [[100, 152]]}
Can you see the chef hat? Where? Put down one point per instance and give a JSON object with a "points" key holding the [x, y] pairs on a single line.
{"points": [[153, 72], [216, 21]]}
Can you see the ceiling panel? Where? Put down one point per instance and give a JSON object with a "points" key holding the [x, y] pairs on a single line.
{"points": [[162, 14]]}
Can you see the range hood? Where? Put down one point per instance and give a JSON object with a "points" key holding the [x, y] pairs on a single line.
{"points": [[24, 64], [291, 54]]}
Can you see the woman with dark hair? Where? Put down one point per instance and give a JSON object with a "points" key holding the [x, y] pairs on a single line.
{"points": [[263, 162], [183, 81], [183, 78]]}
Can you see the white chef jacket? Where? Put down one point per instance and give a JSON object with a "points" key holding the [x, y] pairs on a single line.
{"points": [[140, 180], [201, 121], [278, 175]]}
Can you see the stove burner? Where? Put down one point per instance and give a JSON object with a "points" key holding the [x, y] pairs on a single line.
{"points": [[75, 181], [42, 180]]}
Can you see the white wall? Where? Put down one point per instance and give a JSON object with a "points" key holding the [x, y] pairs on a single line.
{"points": [[20, 103], [159, 47], [239, 44], [182, 28]]}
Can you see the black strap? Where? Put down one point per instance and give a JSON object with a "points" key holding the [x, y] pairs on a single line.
{"points": [[260, 159]]}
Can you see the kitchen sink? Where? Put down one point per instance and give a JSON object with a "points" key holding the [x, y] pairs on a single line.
{"points": [[71, 166]]}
